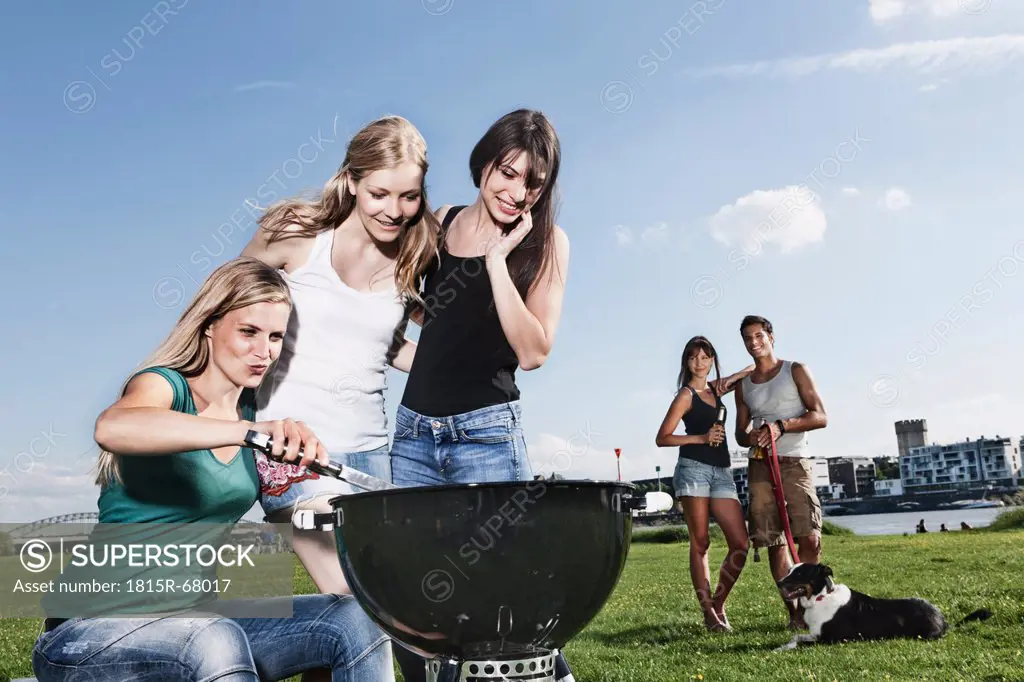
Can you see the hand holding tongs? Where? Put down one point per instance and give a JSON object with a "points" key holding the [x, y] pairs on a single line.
{"points": [[263, 443]]}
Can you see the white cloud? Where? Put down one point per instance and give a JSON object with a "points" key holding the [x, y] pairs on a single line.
{"points": [[933, 86], [788, 218], [47, 490], [573, 459], [264, 85], [923, 57], [896, 199], [851, 191], [886, 11], [623, 235], [657, 235]]}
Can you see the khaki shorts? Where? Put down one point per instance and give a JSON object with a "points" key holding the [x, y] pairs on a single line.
{"points": [[801, 501]]}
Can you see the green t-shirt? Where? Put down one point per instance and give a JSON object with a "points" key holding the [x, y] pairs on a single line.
{"points": [[186, 487], [185, 498]]}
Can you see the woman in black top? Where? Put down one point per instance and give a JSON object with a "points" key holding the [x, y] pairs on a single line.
{"points": [[703, 481], [491, 306]]}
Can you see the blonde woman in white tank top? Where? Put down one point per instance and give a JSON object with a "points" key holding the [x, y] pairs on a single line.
{"points": [[352, 257]]}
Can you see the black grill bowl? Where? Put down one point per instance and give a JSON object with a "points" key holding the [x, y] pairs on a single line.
{"points": [[485, 570]]}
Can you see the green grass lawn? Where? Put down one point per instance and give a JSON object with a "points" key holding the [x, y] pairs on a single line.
{"points": [[651, 627]]}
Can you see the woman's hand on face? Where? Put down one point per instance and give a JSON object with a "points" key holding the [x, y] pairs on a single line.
{"points": [[498, 248], [294, 442]]}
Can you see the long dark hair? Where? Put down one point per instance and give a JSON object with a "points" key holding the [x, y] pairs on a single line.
{"points": [[697, 343], [530, 132]]}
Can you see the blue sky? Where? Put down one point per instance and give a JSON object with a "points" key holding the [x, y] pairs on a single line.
{"points": [[134, 133]]}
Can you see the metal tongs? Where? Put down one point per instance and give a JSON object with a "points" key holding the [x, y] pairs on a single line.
{"points": [[263, 443]]}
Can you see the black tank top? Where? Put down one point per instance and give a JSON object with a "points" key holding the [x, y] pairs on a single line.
{"points": [[463, 361], [699, 420]]}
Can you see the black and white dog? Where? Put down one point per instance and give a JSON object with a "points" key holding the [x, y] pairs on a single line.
{"points": [[835, 613]]}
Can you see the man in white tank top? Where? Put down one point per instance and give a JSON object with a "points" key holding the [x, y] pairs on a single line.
{"points": [[779, 397]]}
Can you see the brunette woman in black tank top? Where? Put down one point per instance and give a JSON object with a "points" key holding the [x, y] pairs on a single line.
{"points": [[492, 304], [700, 419], [703, 478]]}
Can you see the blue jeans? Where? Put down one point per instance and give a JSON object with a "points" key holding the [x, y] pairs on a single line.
{"points": [[325, 631], [481, 446], [697, 479], [300, 492]]}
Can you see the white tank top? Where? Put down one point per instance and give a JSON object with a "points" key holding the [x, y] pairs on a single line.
{"points": [[332, 370], [777, 399]]}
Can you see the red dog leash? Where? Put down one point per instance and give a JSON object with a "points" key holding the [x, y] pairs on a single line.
{"points": [[780, 498]]}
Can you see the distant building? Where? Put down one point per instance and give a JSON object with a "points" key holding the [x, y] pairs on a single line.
{"points": [[889, 487], [857, 474], [966, 464], [819, 472], [887, 466], [911, 433], [739, 474], [830, 492]]}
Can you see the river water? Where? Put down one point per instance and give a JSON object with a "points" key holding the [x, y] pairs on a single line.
{"points": [[906, 522]]}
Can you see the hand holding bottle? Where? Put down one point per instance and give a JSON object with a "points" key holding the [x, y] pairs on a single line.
{"points": [[716, 435]]}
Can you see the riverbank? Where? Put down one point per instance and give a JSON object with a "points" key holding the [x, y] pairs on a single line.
{"points": [[954, 507], [952, 500], [906, 522]]}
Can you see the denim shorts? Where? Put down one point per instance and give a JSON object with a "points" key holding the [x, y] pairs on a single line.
{"points": [[480, 446], [324, 631], [284, 486], [697, 479]]}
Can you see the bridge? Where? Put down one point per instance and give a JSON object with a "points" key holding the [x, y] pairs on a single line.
{"points": [[52, 528], [56, 528]]}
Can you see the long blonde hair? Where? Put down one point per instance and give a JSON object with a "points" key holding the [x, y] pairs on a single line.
{"points": [[236, 284], [383, 144]]}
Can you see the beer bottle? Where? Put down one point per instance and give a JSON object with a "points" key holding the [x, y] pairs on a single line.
{"points": [[757, 452]]}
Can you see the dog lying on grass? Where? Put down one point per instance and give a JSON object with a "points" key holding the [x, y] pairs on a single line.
{"points": [[835, 613]]}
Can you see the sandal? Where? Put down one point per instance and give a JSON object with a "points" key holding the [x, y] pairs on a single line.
{"points": [[713, 624], [719, 609], [723, 620]]}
